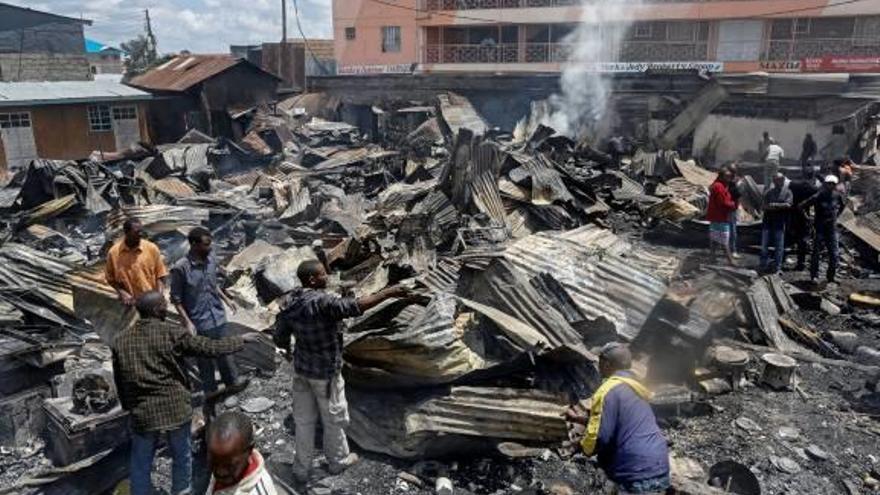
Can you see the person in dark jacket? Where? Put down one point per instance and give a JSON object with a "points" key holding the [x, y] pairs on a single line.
{"points": [[314, 317], [622, 430], [154, 389], [799, 229], [721, 204], [827, 205], [777, 203], [809, 149]]}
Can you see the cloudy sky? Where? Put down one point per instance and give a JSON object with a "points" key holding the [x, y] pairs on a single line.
{"points": [[203, 26]]}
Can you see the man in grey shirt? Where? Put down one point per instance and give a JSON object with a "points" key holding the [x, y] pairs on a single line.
{"points": [[196, 293], [778, 200]]}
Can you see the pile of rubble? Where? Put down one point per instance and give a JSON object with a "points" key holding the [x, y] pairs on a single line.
{"points": [[525, 249]]}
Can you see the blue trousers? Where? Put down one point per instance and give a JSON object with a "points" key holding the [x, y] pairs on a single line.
{"points": [[734, 217], [773, 235], [649, 486], [825, 237], [143, 450], [207, 366]]}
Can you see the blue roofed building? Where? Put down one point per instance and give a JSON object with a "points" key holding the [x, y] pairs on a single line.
{"points": [[104, 59]]}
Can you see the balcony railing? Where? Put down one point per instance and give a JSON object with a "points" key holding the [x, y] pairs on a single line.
{"points": [[635, 51], [472, 54], [819, 47]]}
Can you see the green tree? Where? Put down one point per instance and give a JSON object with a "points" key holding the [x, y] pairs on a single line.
{"points": [[141, 56]]}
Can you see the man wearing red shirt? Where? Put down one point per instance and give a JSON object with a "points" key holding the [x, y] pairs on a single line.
{"points": [[721, 205]]}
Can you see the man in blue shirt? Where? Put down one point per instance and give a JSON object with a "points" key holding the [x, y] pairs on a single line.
{"points": [[622, 430], [196, 293]]}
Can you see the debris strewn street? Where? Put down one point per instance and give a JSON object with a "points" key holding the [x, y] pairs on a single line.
{"points": [[522, 260]]}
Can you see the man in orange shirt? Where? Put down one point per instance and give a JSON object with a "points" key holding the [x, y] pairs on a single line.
{"points": [[134, 265]]}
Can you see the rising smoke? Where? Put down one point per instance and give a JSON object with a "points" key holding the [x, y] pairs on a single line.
{"points": [[583, 110]]}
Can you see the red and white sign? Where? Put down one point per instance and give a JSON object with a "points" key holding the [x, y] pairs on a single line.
{"points": [[842, 64]]}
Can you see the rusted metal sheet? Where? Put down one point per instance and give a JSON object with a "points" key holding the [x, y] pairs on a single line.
{"points": [[458, 113], [498, 413], [174, 188], [182, 73], [156, 219]]}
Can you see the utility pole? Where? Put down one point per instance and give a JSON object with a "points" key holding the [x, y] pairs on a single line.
{"points": [[283, 20], [152, 51], [282, 49]]}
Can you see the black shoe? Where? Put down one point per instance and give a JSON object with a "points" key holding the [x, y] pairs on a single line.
{"points": [[237, 387]]}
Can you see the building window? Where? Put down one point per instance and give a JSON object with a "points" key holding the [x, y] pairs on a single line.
{"points": [[643, 30], [801, 26], [14, 120], [125, 113], [867, 31], [350, 33], [99, 118], [681, 31], [390, 39]]}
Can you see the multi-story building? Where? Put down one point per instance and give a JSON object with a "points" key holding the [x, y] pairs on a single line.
{"points": [[384, 36], [40, 46]]}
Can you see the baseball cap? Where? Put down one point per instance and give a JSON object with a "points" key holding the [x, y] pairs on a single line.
{"points": [[832, 179]]}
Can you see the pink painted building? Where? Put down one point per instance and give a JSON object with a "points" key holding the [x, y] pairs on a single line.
{"points": [[397, 36]]}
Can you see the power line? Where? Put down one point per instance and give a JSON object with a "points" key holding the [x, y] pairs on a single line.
{"points": [[306, 40], [499, 21]]}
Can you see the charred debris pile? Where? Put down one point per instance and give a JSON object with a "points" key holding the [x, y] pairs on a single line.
{"points": [[526, 249]]}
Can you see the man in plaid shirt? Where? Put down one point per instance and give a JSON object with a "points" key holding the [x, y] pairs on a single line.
{"points": [[152, 385], [314, 317]]}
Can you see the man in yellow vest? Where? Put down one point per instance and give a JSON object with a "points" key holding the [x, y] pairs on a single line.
{"points": [[622, 430]]}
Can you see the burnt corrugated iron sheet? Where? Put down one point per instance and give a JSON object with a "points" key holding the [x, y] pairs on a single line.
{"points": [[182, 73], [546, 182], [443, 277], [423, 346], [602, 283], [504, 287], [865, 227], [173, 188], [156, 219], [458, 113], [497, 413]]}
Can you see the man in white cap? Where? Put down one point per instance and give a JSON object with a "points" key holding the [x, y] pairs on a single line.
{"points": [[827, 205]]}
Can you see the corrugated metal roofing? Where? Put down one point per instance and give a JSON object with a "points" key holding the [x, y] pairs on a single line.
{"points": [[156, 219], [602, 281], [458, 113], [183, 72], [498, 413], [67, 92], [865, 227]]}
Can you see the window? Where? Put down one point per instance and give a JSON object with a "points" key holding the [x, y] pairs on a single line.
{"points": [[643, 30], [867, 31], [99, 118], [124, 113], [681, 31], [350, 33], [801, 26], [390, 39], [14, 120]]}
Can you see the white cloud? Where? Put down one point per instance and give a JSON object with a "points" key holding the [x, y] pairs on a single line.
{"points": [[201, 26]]}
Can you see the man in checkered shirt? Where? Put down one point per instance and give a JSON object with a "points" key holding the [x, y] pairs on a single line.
{"points": [[314, 317], [153, 387]]}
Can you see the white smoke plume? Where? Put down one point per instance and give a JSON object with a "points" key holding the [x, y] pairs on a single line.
{"points": [[583, 107]]}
